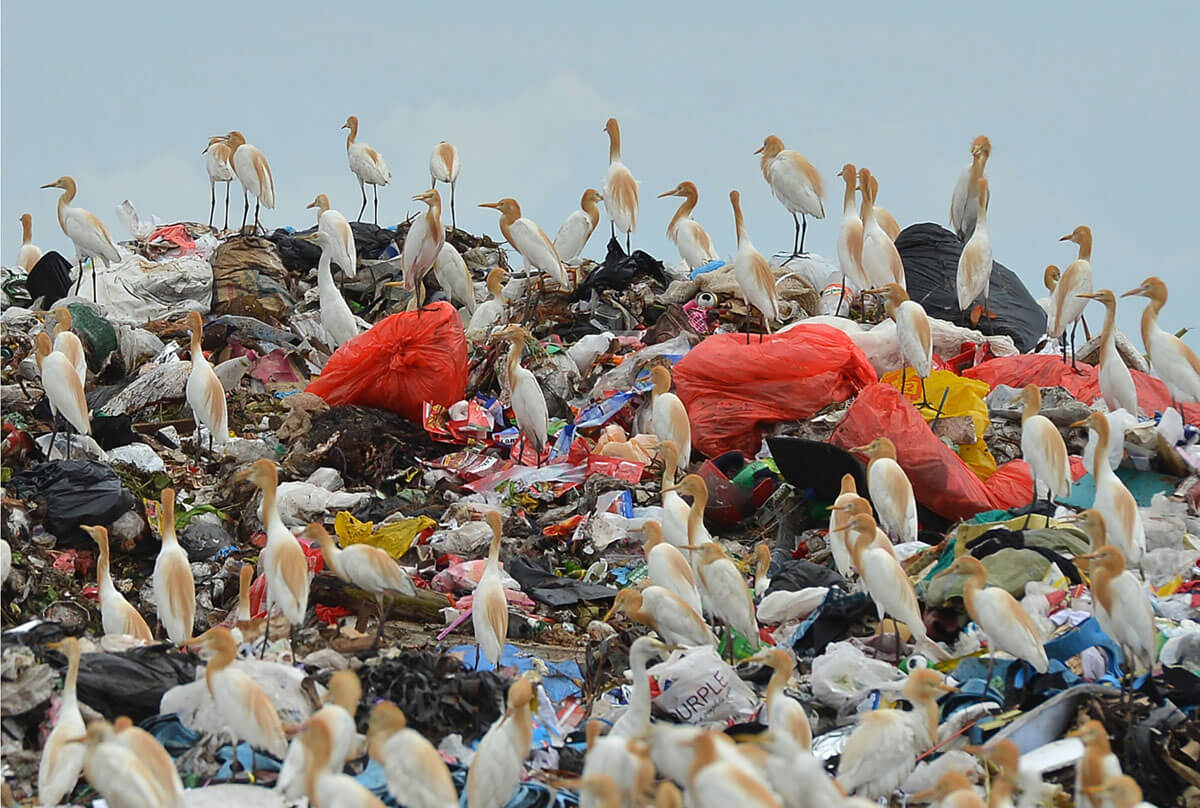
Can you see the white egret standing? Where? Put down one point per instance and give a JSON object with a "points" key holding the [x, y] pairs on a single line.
{"points": [[794, 182], [205, 395], [64, 390], [850, 236], [1067, 303], [1042, 447], [86, 232], [1116, 383], [528, 400], [575, 231], [491, 311], [753, 273], [117, 615], [444, 166], [880, 260], [343, 252], [337, 714], [174, 588], [890, 491], [964, 203], [912, 333], [424, 241], [69, 345], [496, 768], [725, 593], [30, 253], [695, 245], [669, 417], [416, 773], [975, 262], [620, 188], [529, 240], [1113, 500], [218, 164], [254, 174], [453, 277], [61, 762], [1170, 357], [336, 318], [366, 164], [1123, 609], [489, 608]]}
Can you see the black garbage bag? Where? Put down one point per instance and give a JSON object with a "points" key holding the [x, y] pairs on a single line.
{"points": [[619, 270], [930, 256], [438, 696], [809, 465], [50, 279], [301, 256], [131, 682], [74, 493], [793, 574], [112, 431], [544, 586], [832, 621]]}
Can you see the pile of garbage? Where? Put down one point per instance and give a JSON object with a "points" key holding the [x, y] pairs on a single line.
{"points": [[404, 439]]}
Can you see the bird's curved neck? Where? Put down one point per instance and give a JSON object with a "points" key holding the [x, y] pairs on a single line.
{"points": [[779, 679], [740, 224], [70, 683], [928, 705], [243, 610], [514, 359], [325, 273], [494, 550], [1085, 247], [497, 291], [219, 661], [1102, 437], [271, 510], [639, 700], [1002, 790], [978, 164], [684, 212], [614, 146], [332, 555], [1031, 409], [696, 515], [352, 134], [1102, 578], [26, 231], [849, 202], [765, 164], [1150, 319], [867, 211], [858, 545], [670, 469], [197, 349], [103, 570], [1107, 336], [661, 385], [972, 586], [589, 206], [434, 217]]}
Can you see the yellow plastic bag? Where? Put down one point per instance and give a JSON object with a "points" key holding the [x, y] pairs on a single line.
{"points": [[964, 397], [394, 539]]}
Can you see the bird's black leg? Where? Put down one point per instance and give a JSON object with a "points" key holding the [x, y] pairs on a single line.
{"points": [[95, 298], [363, 190], [453, 220], [212, 205], [376, 187], [803, 232], [612, 229], [245, 209], [841, 296], [227, 204], [257, 223]]}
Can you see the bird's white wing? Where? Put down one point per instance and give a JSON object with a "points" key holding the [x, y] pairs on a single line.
{"points": [[573, 235]]}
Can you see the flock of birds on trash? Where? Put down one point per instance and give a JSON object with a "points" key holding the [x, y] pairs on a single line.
{"points": [[694, 585]]}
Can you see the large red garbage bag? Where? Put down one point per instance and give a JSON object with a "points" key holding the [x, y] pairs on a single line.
{"points": [[732, 390], [1012, 484], [941, 481], [1047, 370], [405, 360]]}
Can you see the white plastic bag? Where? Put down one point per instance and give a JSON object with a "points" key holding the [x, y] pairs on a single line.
{"points": [[842, 674], [699, 687], [783, 607]]}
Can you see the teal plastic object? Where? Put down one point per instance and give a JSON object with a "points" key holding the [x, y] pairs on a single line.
{"points": [[1142, 484]]}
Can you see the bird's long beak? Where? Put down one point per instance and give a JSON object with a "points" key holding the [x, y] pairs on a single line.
{"points": [[609, 614], [945, 572], [667, 193], [945, 688], [50, 185], [345, 126], [1136, 291], [244, 474], [1089, 295], [875, 291], [308, 236], [80, 739], [394, 283], [759, 150], [493, 205], [1074, 517], [861, 449], [1067, 237], [1079, 423], [312, 204], [599, 196]]}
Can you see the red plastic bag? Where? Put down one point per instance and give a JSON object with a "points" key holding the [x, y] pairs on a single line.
{"points": [[402, 362], [941, 481], [1046, 370], [732, 390], [1012, 484]]}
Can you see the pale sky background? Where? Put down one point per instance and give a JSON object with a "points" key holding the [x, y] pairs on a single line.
{"points": [[1092, 109]]}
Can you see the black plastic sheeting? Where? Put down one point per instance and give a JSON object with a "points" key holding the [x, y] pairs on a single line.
{"points": [[619, 270], [832, 621], [816, 467], [75, 492], [557, 592], [299, 255], [792, 574], [930, 256], [437, 695], [50, 279]]}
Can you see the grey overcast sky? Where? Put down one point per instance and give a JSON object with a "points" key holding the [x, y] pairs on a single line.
{"points": [[1091, 108]]}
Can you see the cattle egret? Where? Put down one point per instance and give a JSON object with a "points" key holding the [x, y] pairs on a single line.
{"points": [[1113, 500], [964, 203], [794, 182], [1121, 791], [64, 390], [623, 762], [66, 343], [218, 164], [669, 417], [1170, 357], [367, 165], [889, 489], [253, 173], [424, 241], [695, 246], [415, 772], [1123, 609], [667, 567], [912, 333], [174, 589], [337, 715], [697, 534], [153, 756], [117, 616], [86, 232], [724, 591], [121, 777], [885, 219], [883, 749], [1066, 302], [975, 262], [880, 260], [245, 627], [785, 715], [753, 273], [326, 788], [1098, 765], [1042, 447], [443, 167], [675, 510], [1008, 627], [365, 567], [839, 517], [850, 237], [336, 318], [952, 790], [762, 569], [662, 610], [491, 311], [529, 240], [489, 608], [574, 233], [343, 251], [30, 253], [240, 703], [1116, 383], [205, 395], [453, 277], [717, 782], [528, 400], [620, 188], [635, 721], [884, 578], [282, 561], [495, 771], [62, 761]]}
